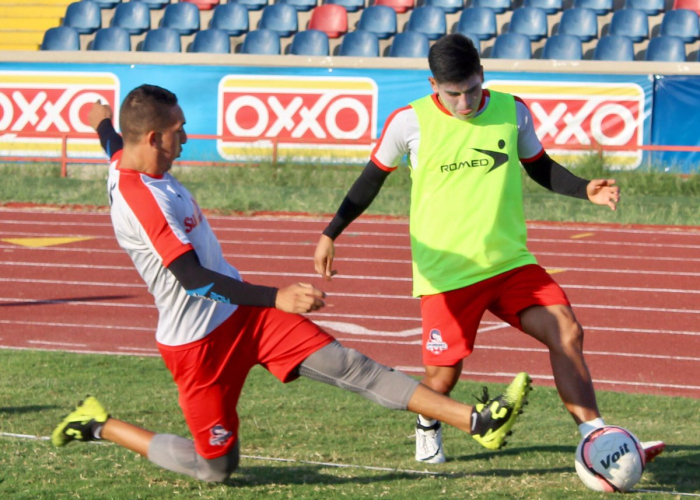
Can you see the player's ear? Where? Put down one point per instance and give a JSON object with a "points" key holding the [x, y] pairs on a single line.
{"points": [[152, 139]]}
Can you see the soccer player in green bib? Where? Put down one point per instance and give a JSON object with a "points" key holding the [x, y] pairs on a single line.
{"points": [[465, 146]]}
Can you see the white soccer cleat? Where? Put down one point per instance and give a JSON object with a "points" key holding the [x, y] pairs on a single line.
{"points": [[429, 447], [652, 449]]}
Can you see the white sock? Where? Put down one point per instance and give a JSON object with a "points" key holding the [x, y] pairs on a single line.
{"points": [[591, 425], [426, 422]]}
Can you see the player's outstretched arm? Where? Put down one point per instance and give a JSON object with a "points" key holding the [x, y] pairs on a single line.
{"points": [[100, 119], [603, 192]]}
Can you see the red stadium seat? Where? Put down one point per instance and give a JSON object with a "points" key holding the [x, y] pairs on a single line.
{"points": [[330, 18], [693, 5], [400, 6], [203, 4]]}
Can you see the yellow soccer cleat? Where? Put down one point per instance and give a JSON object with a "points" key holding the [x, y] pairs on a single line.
{"points": [[87, 418]]}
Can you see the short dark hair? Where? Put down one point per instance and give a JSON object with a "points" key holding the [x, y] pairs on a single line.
{"points": [[144, 109], [453, 59]]}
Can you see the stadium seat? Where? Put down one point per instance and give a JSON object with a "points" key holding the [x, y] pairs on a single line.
{"points": [[430, 21], [600, 7], [61, 38], [478, 21], [614, 48], [203, 4], [449, 6], [310, 43], [378, 19], [154, 4], [84, 17], [300, 5], [359, 43], [409, 44], [650, 7], [107, 4], [212, 41], [113, 39], [400, 6], [261, 41], [281, 18], [250, 4], [162, 40], [331, 19], [549, 6], [350, 5], [580, 22], [511, 46], [693, 5], [563, 48], [498, 6], [632, 23], [134, 17], [666, 48], [182, 17], [530, 21], [682, 23], [231, 18]]}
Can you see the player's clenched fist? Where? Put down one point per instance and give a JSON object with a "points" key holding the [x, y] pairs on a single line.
{"points": [[300, 298]]}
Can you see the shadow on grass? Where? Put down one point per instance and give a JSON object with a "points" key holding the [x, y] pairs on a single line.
{"points": [[18, 410]]}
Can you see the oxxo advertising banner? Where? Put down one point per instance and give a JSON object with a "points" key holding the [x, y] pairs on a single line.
{"points": [[330, 115]]}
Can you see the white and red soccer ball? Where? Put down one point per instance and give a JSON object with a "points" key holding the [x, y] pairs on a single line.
{"points": [[610, 459]]}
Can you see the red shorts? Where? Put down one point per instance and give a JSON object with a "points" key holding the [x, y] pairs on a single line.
{"points": [[210, 372], [451, 319]]}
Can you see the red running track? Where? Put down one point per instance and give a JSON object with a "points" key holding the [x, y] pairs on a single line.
{"points": [[636, 290]]}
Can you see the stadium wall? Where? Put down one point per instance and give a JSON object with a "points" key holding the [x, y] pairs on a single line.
{"points": [[244, 108]]}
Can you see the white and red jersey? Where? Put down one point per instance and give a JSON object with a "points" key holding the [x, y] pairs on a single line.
{"points": [[401, 135], [156, 220]]}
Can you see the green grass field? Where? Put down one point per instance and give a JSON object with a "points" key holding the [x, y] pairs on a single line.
{"points": [[307, 421]]}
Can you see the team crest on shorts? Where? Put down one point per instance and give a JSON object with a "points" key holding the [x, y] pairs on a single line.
{"points": [[219, 435], [435, 343]]}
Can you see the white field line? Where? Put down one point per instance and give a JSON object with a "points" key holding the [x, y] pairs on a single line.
{"points": [[56, 344]]}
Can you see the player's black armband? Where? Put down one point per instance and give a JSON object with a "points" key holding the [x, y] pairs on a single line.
{"points": [[109, 138], [549, 174], [359, 197], [199, 281]]}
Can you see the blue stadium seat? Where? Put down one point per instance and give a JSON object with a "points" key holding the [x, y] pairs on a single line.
{"points": [[632, 23], [430, 21], [511, 46], [300, 5], [666, 48], [85, 17], [478, 21], [231, 18], [212, 41], [107, 4], [580, 22], [563, 48], [600, 7], [310, 43], [498, 6], [162, 40], [250, 4], [409, 44], [614, 48], [359, 43], [61, 38], [682, 23], [650, 7], [182, 17], [261, 41], [530, 21], [154, 4], [114, 39], [549, 6], [350, 5], [449, 6], [380, 20], [134, 17], [281, 18]]}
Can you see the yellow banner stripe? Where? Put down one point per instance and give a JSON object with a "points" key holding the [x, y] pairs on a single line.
{"points": [[44, 242], [523, 90], [55, 79]]}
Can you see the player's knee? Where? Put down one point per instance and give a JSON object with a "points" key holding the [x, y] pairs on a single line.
{"points": [[218, 470], [571, 337]]}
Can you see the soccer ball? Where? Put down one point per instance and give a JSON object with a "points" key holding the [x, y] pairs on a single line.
{"points": [[610, 459]]}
